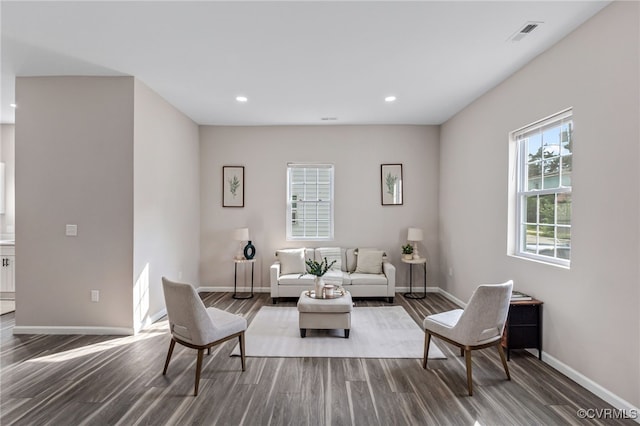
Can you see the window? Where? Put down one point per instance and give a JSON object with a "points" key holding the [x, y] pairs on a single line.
{"points": [[544, 157], [310, 202]]}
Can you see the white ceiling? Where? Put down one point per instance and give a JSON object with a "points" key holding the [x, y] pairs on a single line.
{"points": [[296, 61]]}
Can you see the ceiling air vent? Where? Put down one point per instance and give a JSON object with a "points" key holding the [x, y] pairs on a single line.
{"points": [[525, 30]]}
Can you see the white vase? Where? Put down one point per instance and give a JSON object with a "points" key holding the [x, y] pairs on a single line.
{"points": [[319, 287]]}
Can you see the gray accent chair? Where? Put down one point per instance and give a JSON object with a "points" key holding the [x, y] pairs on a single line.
{"points": [[478, 326], [195, 326]]}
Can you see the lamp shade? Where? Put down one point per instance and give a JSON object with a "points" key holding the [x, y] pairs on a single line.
{"points": [[414, 234], [241, 234]]}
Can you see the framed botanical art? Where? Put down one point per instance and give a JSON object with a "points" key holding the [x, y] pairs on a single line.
{"points": [[391, 184], [233, 186]]}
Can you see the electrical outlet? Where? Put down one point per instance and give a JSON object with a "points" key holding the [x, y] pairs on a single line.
{"points": [[95, 295], [71, 230], [450, 272]]}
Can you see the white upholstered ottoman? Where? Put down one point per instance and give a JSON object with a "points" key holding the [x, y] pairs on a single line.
{"points": [[324, 313]]}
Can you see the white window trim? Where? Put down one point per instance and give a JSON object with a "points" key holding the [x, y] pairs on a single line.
{"points": [[290, 236], [521, 193]]}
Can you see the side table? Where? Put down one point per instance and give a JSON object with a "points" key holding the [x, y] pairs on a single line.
{"points": [[235, 277], [523, 329], [421, 261]]}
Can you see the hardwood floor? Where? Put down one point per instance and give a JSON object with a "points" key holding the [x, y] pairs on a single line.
{"points": [[97, 380]]}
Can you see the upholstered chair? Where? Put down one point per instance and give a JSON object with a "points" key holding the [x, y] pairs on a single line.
{"points": [[478, 326], [193, 325]]}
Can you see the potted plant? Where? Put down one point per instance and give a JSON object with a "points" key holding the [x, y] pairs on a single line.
{"points": [[407, 251], [318, 269]]}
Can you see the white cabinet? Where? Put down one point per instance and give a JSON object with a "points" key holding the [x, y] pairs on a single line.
{"points": [[7, 273]]}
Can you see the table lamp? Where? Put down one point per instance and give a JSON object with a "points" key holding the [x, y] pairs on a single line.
{"points": [[241, 234], [414, 235]]}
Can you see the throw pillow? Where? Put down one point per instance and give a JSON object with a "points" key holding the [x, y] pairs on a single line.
{"points": [[351, 256], [369, 262], [291, 261], [332, 253]]}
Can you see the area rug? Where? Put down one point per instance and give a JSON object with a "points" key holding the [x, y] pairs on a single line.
{"points": [[376, 332]]}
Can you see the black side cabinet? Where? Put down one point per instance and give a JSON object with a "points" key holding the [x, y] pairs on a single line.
{"points": [[524, 326]]}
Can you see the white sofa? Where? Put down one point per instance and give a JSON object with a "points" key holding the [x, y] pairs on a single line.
{"points": [[363, 272]]}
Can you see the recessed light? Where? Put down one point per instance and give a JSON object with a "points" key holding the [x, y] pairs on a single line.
{"points": [[13, 105], [390, 99], [242, 98]]}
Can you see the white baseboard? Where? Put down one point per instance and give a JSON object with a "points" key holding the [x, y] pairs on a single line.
{"points": [[591, 386], [268, 289], [451, 297], [155, 317], [111, 331], [230, 289], [115, 331], [574, 375], [149, 320], [417, 289]]}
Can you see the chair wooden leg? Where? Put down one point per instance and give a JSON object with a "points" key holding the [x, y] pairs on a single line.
{"points": [[242, 356], [467, 355], [461, 351], [504, 361], [198, 368], [166, 363], [427, 341]]}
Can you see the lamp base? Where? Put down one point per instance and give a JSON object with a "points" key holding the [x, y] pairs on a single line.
{"points": [[249, 251], [239, 255]]}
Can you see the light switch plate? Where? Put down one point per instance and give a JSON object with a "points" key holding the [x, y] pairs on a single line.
{"points": [[71, 230]]}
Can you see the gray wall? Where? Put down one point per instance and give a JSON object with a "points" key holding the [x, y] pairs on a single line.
{"points": [[591, 315], [7, 156], [74, 165], [360, 219], [110, 155], [166, 201]]}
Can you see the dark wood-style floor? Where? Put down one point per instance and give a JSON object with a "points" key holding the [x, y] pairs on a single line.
{"points": [[97, 380]]}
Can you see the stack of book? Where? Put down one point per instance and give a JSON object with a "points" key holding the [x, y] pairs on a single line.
{"points": [[517, 295]]}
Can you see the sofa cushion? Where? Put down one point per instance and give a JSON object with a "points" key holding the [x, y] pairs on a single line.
{"points": [[309, 253], [368, 279], [351, 260], [369, 262], [291, 261], [331, 254], [296, 279], [334, 277]]}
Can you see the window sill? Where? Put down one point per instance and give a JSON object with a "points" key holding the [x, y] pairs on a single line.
{"points": [[540, 261], [310, 239]]}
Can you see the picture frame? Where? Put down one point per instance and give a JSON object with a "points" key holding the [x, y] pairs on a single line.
{"points": [[232, 186], [391, 187]]}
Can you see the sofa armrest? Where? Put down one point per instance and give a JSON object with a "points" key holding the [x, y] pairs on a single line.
{"points": [[274, 274], [390, 272]]}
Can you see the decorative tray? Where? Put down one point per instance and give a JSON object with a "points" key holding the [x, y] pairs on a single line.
{"points": [[337, 293]]}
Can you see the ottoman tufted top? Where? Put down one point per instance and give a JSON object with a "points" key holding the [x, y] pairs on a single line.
{"points": [[340, 305]]}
